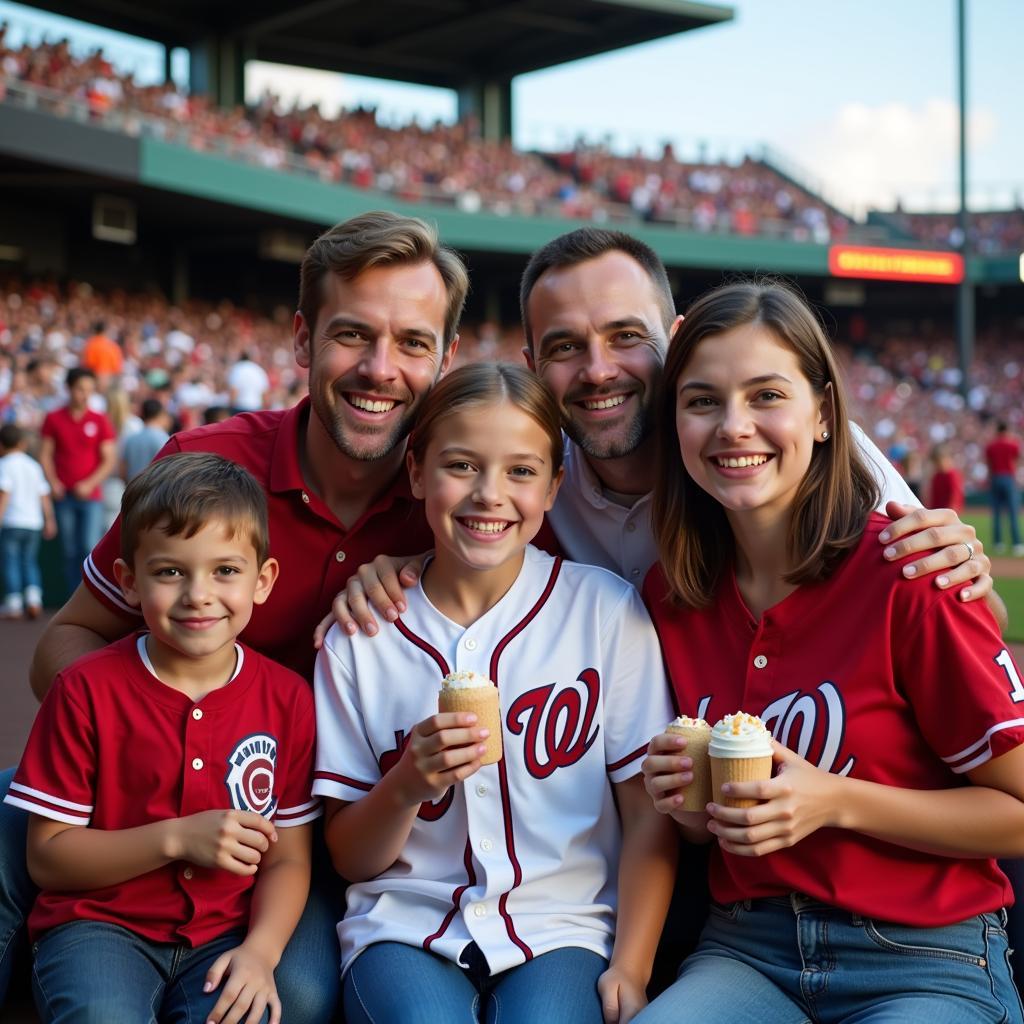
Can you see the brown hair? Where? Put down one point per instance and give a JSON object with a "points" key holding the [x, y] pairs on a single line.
{"points": [[181, 493], [834, 499], [585, 244], [489, 383], [375, 239]]}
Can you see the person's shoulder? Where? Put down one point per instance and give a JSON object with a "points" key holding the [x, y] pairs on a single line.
{"points": [[99, 670], [286, 685], [248, 438], [592, 579]]}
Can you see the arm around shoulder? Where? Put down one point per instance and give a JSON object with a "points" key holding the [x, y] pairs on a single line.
{"points": [[83, 625]]}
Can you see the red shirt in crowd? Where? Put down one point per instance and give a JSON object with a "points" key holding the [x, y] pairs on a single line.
{"points": [[114, 748], [77, 441], [866, 675], [947, 490], [1002, 454]]}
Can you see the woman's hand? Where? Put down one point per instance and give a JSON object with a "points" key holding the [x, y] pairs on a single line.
{"points": [[442, 750], [667, 772], [799, 800]]}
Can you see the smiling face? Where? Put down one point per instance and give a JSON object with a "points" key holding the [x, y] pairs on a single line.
{"points": [[747, 420], [486, 481], [196, 593], [373, 354], [599, 343]]}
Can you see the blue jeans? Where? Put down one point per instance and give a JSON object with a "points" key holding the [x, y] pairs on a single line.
{"points": [[307, 977], [1005, 499], [792, 960], [90, 972], [19, 554], [392, 983], [79, 526]]}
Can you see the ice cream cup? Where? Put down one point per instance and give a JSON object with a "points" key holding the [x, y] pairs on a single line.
{"points": [[740, 750], [469, 691], [697, 794]]}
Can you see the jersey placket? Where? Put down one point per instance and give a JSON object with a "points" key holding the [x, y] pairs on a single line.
{"points": [[196, 787]]}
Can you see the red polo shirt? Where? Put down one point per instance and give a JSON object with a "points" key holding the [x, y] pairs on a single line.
{"points": [[317, 554], [76, 444], [1002, 455], [869, 675], [113, 748]]}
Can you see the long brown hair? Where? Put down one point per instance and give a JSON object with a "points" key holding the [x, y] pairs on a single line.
{"points": [[835, 497]]}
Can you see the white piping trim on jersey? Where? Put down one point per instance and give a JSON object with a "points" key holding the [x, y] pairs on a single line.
{"points": [[292, 822], [40, 795], [298, 808], [983, 748], [110, 592], [45, 812]]}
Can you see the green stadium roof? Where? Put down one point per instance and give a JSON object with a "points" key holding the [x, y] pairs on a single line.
{"points": [[431, 42]]}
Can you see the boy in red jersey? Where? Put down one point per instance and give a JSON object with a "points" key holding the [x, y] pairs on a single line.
{"points": [[168, 776]]}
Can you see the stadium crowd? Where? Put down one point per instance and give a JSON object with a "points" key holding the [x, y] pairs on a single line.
{"points": [[447, 163], [905, 383], [991, 232]]}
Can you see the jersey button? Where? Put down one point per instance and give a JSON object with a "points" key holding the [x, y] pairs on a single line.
{"points": [[486, 845], [471, 644], [197, 763], [631, 527], [187, 874], [339, 556], [635, 572], [760, 661], [305, 497], [479, 910], [481, 790], [197, 713]]}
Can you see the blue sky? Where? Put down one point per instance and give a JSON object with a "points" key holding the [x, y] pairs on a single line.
{"points": [[860, 94]]}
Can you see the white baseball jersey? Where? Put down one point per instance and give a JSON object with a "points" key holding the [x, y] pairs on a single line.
{"points": [[522, 857], [592, 528]]}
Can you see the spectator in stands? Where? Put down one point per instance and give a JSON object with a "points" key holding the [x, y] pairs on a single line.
{"points": [[1002, 454], [26, 516], [102, 355], [947, 485], [140, 449], [248, 384], [78, 453]]}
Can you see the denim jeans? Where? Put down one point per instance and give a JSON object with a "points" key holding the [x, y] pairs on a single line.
{"points": [[90, 972], [1005, 500], [792, 960], [307, 977], [79, 526], [19, 555], [391, 982]]}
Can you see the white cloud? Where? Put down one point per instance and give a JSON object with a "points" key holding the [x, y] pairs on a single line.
{"points": [[871, 156]]}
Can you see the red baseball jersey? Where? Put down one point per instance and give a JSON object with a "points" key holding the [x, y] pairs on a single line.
{"points": [[866, 674], [1002, 454], [112, 747], [316, 552], [76, 444]]}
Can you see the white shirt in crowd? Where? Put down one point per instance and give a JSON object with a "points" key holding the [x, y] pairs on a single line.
{"points": [[248, 383], [22, 478]]}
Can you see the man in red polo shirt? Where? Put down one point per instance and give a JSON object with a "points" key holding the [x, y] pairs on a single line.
{"points": [[379, 305], [78, 453]]}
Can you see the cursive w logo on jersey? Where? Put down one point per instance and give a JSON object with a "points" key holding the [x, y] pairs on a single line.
{"points": [[556, 724]]}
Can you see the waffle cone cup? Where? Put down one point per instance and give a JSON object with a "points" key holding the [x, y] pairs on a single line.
{"points": [[738, 769], [698, 793], [484, 703]]}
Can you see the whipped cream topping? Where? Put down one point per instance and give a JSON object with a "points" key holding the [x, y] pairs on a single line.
{"points": [[464, 681], [686, 722], [740, 735]]}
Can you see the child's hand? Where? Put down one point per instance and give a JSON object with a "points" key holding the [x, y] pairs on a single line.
{"points": [[667, 772], [443, 749], [622, 995], [49, 529], [799, 800], [232, 840], [249, 989]]}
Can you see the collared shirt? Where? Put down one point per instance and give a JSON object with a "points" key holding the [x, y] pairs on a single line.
{"points": [[522, 857], [316, 552], [596, 531], [867, 675], [77, 441], [114, 748]]}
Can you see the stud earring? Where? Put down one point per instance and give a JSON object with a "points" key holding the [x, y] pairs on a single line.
{"points": [[824, 435]]}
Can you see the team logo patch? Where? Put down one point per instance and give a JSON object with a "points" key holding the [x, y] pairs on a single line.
{"points": [[250, 778]]}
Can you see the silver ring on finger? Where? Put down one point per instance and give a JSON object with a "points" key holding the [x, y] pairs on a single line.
{"points": [[970, 550]]}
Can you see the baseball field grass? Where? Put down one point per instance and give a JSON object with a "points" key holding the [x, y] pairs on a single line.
{"points": [[1008, 573]]}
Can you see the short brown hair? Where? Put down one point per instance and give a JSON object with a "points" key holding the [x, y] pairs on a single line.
{"points": [[375, 239], [588, 243], [480, 383], [833, 501], [181, 493]]}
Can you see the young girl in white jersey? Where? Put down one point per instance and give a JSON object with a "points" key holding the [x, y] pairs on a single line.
{"points": [[861, 886], [532, 889]]}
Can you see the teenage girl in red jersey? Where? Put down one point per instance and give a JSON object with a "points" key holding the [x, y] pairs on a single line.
{"points": [[863, 886]]}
